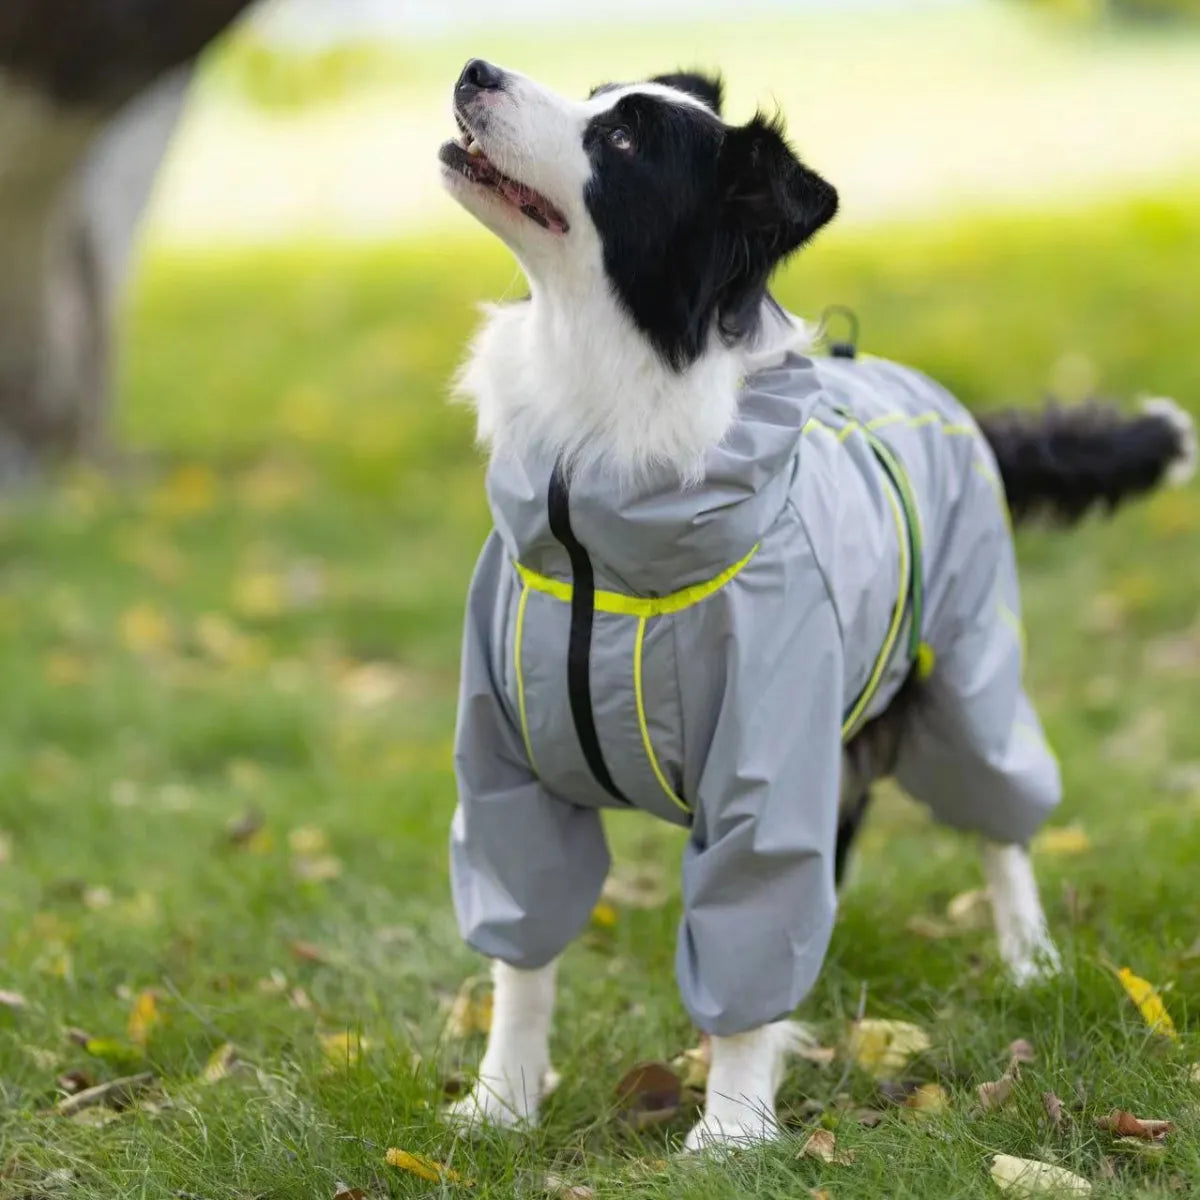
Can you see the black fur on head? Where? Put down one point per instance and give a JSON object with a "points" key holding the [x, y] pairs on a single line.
{"points": [[693, 215], [708, 89]]}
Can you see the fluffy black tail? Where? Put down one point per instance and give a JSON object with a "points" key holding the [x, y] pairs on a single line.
{"points": [[1063, 461]]}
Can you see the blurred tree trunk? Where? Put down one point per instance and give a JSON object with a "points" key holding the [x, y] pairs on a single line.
{"points": [[90, 91]]}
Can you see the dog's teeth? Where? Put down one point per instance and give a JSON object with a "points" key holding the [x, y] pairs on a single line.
{"points": [[473, 147]]}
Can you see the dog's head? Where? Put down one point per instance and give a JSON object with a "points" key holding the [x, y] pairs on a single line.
{"points": [[641, 190]]}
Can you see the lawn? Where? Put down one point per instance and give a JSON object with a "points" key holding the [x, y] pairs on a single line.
{"points": [[229, 672]]}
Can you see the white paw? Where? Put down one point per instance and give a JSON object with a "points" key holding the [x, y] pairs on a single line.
{"points": [[1033, 961], [713, 1133], [502, 1101]]}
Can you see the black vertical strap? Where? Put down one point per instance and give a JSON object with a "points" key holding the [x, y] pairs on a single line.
{"points": [[579, 646]]}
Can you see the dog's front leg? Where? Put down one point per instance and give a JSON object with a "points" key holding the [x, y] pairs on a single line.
{"points": [[1025, 943], [516, 1062], [743, 1078]]}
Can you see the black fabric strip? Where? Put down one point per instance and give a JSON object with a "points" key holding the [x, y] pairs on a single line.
{"points": [[579, 647]]}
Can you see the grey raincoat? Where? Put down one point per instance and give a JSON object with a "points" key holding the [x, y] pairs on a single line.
{"points": [[702, 654]]}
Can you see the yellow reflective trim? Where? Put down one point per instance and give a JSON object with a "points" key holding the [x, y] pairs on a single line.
{"points": [[643, 725], [885, 654], [637, 606], [926, 661], [518, 638]]}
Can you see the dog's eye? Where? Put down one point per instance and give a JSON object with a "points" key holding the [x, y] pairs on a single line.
{"points": [[619, 138]]}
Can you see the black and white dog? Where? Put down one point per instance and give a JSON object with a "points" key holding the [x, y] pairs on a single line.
{"points": [[648, 229]]}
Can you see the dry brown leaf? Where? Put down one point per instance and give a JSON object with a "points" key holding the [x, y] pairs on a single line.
{"points": [[820, 1194], [870, 1117], [116, 1093], [1021, 1051], [471, 1011], [883, 1047], [1054, 1109], [73, 1082], [1126, 1125], [345, 1192], [243, 828], [560, 1189], [996, 1093], [1149, 1003], [307, 952], [970, 910], [144, 1017], [12, 1000], [823, 1145], [425, 1168], [928, 1098], [1029, 1177], [649, 1087]]}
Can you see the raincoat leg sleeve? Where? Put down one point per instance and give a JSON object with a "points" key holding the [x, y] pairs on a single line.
{"points": [[758, 886], [526, 868], [975, 752]]}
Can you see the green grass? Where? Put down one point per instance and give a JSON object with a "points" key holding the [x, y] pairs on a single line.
{"points": [[260, 611]]}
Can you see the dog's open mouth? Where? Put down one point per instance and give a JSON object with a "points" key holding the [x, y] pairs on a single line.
{"points": [[466, 157]]}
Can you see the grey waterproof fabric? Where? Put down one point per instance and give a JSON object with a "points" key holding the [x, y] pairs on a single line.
{"points": [[745, 692]]}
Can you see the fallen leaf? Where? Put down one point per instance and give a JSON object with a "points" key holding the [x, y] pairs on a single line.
{"points": [[604, 916], [187, 492], [1138, 1145], [220, 1063], [144, 629], [1149, 1003], [345, 1192], [258, 595], [870, 1117], [426, 1168], [1194, 1073], [996, 1093], [970, 910], [12, 1000], [692, 1065], [344, 1048], [242, 828], [64, 668], [307, 952], [72, 1082], [648, 1085], [820, 1194], [1021, 1051], [932, 928], [560, 1189], [822, 1144], [1054, 1109], [928, 1098], [144, 1017], [471, 1011], [116, 1093], [1126, 1125], [1029, 1177], [1062, 841], [308, 840], [321, 869], [883, 1047]]}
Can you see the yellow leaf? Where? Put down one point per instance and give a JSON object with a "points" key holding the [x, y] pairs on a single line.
{"points": [[883, 1047], [223, 642], [308, 839], [62, 668], [1028, 1177], [426, 1168], [1062, 841], [470, 1013], [270, 485], [144, 629], [604, 916], [220, 1063], [187, 492], [928, 1098], [343, 1049], [1149, 1003], [258, 594], [144, 1018]]}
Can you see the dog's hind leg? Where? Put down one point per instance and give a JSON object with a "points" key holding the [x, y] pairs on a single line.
{"points": [[850, 818], [516, 1063], [1025, 943]]}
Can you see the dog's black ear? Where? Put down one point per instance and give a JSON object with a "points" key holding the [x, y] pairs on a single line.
{"points": [[771, 204], [768, 194], [708, 89]]}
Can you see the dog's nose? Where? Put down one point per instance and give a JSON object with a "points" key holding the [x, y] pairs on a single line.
{"points": [[479, 76]]}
